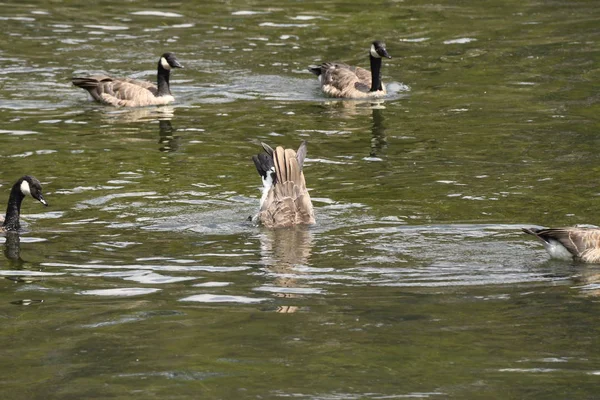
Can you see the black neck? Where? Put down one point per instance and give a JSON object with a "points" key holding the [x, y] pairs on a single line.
{"points": [[13, 210], [375, 74], [163, 81]]}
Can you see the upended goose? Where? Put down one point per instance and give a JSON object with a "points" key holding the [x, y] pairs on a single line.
{"points": [[128, 92], [285, 201], [26, 185], [581, 244], [344, 81]]}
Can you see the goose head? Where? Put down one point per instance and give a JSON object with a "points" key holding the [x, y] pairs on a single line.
{"points": [[378, 50], [169, 61], [30, 186]]}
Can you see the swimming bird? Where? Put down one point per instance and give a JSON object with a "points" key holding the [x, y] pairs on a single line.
{"points": [[285, 201], [581, 244], [27, 185], [345, 81], [128, 92]]}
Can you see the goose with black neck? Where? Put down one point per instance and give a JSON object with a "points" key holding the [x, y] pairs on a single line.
{"points": [[128, 92], [345, 81], [25, 186]]}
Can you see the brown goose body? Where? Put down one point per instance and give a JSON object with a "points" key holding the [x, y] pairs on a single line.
{"points": [[27, 185], [285, 201], [127, 92], [344, 81], [581, 244]]}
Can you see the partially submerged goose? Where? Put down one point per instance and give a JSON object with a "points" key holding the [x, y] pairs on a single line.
{"points": [[127, 92], [26, 185], [581, 244], [344, 81], [285, 201]]}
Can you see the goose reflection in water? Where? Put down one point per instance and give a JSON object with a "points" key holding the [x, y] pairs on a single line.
{"points": [[282, 251], [373, 108], [586, 278], [166, 139], [378, 140], [142, 114], [12, 248]]}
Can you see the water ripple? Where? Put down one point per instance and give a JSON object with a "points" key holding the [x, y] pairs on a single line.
{"points": [[120, 292], [216, 298]]}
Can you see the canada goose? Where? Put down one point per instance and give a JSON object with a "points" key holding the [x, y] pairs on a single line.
{"points": [[285, 200], [127, 92], [581, 244], [343, 80], [26, 185]]}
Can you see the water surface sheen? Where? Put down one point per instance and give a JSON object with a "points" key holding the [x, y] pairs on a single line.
{"points": [[144, 279]]}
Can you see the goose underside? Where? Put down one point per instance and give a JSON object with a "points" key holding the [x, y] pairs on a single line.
{"points": [[579, 243]]}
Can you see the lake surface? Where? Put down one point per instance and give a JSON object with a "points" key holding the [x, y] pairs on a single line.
{"points": [[143, 278]]}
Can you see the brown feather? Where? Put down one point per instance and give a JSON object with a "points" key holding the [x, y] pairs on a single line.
{"points": [[125, 92], [288, 202], [128, 92], [344, 81], [582, 243]]}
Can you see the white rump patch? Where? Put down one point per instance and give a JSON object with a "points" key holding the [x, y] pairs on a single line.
{"points": [[165, 63], [374, 52], [25, 189], [557, 250]]}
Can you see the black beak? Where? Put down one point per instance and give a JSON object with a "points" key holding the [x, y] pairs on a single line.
{"points": [[176, 64], [41, 200], [385, 53]]}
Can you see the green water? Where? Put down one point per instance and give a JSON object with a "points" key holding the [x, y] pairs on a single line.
{"points": [[143, 279]]}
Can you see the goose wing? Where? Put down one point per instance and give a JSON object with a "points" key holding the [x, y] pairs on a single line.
{"points": [[288, 203], [118, 91], [338, 79], [144, 84]]}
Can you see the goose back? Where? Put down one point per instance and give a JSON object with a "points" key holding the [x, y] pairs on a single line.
{"points": [[286, 201], [345, 81]]}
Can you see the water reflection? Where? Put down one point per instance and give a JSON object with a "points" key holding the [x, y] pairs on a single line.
{"points": [[12, 248], [373, 108], [353, 108], [378, 140], [167, 140], [587, 280], [163, 115], [141, 114], [283, 253]]}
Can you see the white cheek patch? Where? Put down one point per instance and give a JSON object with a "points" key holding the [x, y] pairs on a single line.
{"points": [[165, 63], [25, 189], [374, 52]]}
